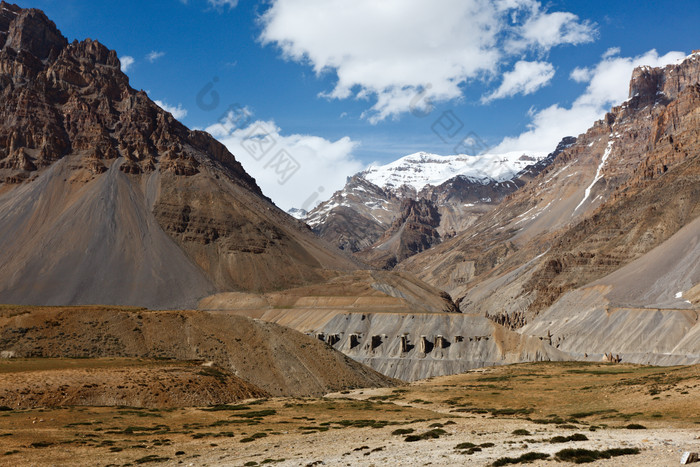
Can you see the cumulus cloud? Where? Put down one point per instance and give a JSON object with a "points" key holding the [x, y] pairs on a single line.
{"points": [[581, 75], [608, 84], [126, 62], [154, 55], [546, 30], [294, 170], [395, 50], [526, 78], [178, 112]]}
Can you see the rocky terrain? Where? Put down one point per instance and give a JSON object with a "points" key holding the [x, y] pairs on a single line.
{"points": [[603, 235], [388, 213], [391, 322], [37, 383], [109, 199], [275, 359], [647, 416]]}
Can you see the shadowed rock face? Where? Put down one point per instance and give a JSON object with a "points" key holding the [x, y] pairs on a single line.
{"points": [[106, 198], [415, 230]]}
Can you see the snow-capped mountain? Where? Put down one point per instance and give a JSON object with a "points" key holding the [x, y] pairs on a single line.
{"points": [[460, 188], [298, 213], [421, 169]]}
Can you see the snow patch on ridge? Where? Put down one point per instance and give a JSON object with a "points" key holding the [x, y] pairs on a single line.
{"points": [[598, 174], [422, 169]]}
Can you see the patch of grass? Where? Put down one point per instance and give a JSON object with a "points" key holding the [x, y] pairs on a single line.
{"points": [[382, 398], [566, 439], [140, 413], [256, 414], [526, 458], [465, 446], [363, 423], [151, 458], [584, 456], [545, 421], [635, 426], [430, 434], [402, 431], [494, 378], [222, 407], [591, 413], [253, 437], [41, 444], [600, 372], [496, 412], [135, 430], [521, 432]]}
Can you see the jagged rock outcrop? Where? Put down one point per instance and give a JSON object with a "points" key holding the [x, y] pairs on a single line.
{"points": [[106, 198], [356, 216], [415, 230]]}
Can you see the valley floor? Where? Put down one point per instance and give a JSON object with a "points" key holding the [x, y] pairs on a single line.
{"points": [[475, 418]]}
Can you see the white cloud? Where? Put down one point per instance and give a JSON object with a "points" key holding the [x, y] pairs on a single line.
{"points": [[154, 55], [220, 4], [526, 78], [293, 170], [611, 52], [393, 50], [547, 30], [581, 75], [178, 112], [608, 85], [126, 62]]}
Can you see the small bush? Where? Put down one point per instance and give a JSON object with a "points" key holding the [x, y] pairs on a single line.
{"points": [[403, 431], [430, 434], [584, 456], [635, 426], [253, 437], [217, 408], [151, 458], [521, 432], [41, 444], [566, 439], [524, 459], [465, 446]]}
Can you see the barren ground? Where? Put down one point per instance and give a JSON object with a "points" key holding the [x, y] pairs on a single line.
{"points": [[655, 410]]}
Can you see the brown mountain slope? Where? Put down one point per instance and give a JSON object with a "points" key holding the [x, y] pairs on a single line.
{"points": [[32, 383], [106, 198], [625, 187], [271, 357]]}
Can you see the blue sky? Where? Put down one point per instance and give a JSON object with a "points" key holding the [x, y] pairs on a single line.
{"points": [[322, 88]]}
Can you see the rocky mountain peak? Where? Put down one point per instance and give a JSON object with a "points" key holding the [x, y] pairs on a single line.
{"points": [[646, 83], [167, 210], [29, 30]]}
